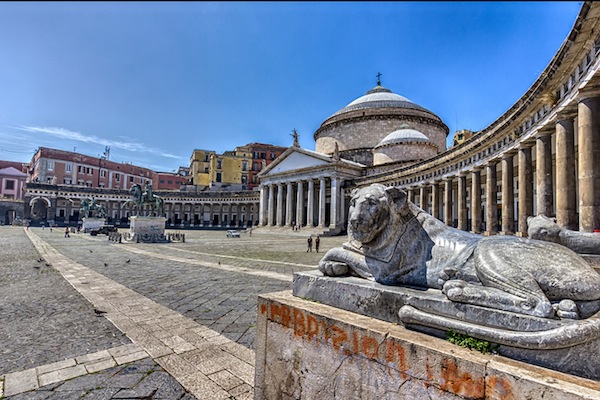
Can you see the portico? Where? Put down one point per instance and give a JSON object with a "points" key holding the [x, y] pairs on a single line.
{"points": [[307, 188]]}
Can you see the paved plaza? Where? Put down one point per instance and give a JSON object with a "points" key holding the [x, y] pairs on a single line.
{"points": [[83, 317]]}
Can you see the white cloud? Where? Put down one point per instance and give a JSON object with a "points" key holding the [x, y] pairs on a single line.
{"points": [[63, 133]]}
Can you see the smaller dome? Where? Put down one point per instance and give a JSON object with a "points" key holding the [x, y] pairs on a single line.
{"points": [[404, 135]]}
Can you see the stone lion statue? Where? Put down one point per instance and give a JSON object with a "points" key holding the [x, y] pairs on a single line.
{"points": [[544, 228], [394, 242]]}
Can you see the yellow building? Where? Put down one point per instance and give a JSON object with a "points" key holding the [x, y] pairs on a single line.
{"points": [[200, 167], [220, 171], [462, 136]]}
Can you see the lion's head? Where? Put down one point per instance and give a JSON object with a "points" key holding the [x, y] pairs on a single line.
{"points": [[543, 228], [371, 210]]}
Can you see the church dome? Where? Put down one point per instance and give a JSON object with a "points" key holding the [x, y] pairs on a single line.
{"points": [[404, 135], [380, 97]]}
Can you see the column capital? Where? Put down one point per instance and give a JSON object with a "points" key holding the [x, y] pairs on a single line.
{"points": [[526, 145], [476, 168], [587, 93], [509, 154], [568, 113], [545, 131]]}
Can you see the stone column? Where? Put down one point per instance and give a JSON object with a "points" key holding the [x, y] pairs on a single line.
{"points": [[463, 211], [543, 172], [448, 202], [300, 203], [210, 212], [322, 202], [271, 207], [230, 214], [476, 200], [334, 202], [525, 188], [423, 197], [566, 200], [588, 162], [289, 206], [279, 218], [410, 194], [261, 211], [310, 221], [508, 194], [491, 200], [435, 200]]}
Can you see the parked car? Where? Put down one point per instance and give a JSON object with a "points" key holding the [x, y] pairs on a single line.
{"points": [[104, 229], [232, 234]]}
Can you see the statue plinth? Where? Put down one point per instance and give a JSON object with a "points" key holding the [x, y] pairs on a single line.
{"points": [[90, 223], [146, 229]]}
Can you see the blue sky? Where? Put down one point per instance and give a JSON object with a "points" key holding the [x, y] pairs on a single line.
{"points": [[156, 80]]}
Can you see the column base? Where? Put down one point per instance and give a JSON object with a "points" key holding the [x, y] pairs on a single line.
{"points": [[522, 234], [510, 233], [490, 233]]}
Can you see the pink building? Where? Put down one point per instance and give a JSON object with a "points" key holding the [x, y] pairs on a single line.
{"points": [[168, 181], [12, 180]]}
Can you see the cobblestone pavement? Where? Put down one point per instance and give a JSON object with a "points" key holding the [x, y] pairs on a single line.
{"points": [[191, 307]]}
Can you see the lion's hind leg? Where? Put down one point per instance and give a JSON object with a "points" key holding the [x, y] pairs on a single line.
{"points": [[504, 286]]}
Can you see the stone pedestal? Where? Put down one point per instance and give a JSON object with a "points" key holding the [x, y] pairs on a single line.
{"points": [[90, 223], [307, 350], [529, 339], [146, 229]]}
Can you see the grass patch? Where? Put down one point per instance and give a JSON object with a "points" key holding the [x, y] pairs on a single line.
{"points": [[472, 343]]}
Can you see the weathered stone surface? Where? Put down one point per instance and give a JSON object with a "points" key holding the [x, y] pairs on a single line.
{"points": [[307, 350], [528, 339]]}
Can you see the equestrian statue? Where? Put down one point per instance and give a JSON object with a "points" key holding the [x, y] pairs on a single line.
{"points": [[140, 198], [92, 209]]}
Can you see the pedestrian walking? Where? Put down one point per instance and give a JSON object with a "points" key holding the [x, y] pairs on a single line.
{"points": [[317, 242], [309, 244], [67, 232]]}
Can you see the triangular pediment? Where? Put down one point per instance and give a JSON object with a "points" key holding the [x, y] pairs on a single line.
{"points": [[295, 160], [11, 171]]}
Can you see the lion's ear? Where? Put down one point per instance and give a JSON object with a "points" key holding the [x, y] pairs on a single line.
{"points": [[398, 198]]}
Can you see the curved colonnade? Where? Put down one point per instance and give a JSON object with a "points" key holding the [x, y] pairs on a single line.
{"points": [[221, 209], [540, 157]]}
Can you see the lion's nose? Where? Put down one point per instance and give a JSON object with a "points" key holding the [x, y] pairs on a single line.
{"points": [[354, 223]]}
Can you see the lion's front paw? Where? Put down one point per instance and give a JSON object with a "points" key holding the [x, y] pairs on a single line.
{"points": [[446, 275], [455, 290], [333, 268]]}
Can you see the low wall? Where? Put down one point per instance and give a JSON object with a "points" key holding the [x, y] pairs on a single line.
{"points": [[307, 350]]}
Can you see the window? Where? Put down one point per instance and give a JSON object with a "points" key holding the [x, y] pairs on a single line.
{"points": [[219, 163], [117, 177], [244, 165], [67, 181], [102, 173], [206, 170], [9, 184], [68, 167], [206, 158], [50, 165], [272, 156], [244, 178], [263, 155], [169, 182], [162, 181], [131, 179], [255, 166], [218, 177]]}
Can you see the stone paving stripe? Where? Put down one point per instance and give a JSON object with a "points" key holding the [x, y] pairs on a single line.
{"points": [[19, 382], [62, 375], [99, 355], [203, 388], [124, 306], [100, 365], [223, 267], [244, 258], [44, 369]]}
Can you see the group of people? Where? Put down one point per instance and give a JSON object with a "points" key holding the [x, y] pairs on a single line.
{"points": [[310, 243], [296, 227]]}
